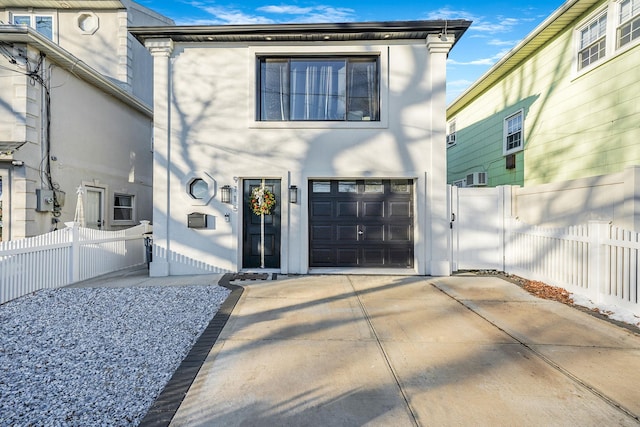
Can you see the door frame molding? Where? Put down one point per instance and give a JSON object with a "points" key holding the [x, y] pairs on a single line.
{"points": [[106, 223]]}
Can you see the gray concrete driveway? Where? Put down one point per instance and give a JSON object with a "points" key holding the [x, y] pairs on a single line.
{"points": [[405, 351]]}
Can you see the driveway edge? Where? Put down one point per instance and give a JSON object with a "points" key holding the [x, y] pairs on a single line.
{"points": [[169, 400]]}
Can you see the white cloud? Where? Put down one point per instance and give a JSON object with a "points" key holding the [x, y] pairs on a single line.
{"points": [[480, 24], [497, 42], [285, 9], [269, 14], [455, 84], [227, 16], [481, 61], [311, 14]]}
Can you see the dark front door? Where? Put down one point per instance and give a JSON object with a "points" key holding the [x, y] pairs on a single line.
{"points": [[361, 223], [252, 235]]}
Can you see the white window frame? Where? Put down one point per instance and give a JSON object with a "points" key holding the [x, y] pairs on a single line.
{"points": [[613, 48], [260, 51], [599, 39], [507, 133], [32, 21], [342, 88], [132, 220], [632, 20], [451, 133]]}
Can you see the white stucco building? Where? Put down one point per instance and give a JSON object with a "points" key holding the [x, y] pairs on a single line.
{"points": [[343, 123], [75, 111]]}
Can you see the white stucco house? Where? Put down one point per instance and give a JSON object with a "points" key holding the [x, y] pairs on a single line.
{"points": [[343, 123], [75, 112]]}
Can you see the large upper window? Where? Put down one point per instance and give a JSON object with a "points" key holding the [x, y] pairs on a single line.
{"points": [[42, 23], [321, 89], [513, 133], [628, 22], [593, 41]]}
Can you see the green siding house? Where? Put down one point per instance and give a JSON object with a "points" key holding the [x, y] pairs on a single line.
{"points": [[563, 105]]}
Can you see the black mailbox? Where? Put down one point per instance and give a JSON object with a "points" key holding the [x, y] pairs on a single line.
{"points": [[197, 220]]}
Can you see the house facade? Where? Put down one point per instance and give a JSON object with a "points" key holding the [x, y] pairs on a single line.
{"points": [[341, 124], [75, 112], [558, 116]]}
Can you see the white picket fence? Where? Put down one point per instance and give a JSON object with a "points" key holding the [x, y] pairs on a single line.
{"points": [[597, 260], [66, 256]]}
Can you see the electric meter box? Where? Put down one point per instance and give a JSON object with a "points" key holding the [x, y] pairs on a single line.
{"points": [[44, 200]]}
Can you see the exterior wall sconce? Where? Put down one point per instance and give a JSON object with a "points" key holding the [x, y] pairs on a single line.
{"points": [[225, 194], [293, 194]]}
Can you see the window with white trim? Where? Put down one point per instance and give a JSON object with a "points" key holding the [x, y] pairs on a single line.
{"points": [[593, 41], [606, 33], [628, 22], [42, 23], [319, 88], [123, 207], [513, 133], [451, 133]]}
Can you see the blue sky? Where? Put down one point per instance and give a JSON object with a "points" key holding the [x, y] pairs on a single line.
{"points": [[497, 26]]}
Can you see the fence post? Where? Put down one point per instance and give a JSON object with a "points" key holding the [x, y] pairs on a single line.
{"points": [[598, 232], [147, 226], [74, 257], [507, 244]]}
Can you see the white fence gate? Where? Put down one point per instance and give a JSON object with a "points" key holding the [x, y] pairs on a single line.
{"points": [[596, 260], [477, 224], [66, 256]]}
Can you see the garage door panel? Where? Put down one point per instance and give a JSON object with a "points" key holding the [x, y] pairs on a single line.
{"points": [[373, 233], [361, 223], [347, 209], [347, 256], [323, 257], [347, 233], [373, 209], [322, 232], [373, 256], [400, 209], [399, 257], [321, 209], [400, 233]]}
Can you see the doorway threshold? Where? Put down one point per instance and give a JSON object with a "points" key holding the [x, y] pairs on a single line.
{"points": [[365, 271]]}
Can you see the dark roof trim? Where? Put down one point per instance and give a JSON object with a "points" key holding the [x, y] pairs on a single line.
{"points": [[349, 31]]}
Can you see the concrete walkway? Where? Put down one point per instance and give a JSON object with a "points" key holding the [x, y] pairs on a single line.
{"points": [[406, 351]]}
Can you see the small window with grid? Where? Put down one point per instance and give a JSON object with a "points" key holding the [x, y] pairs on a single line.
{"points": [[593, 41], [628, 22], [451, 133], [513, 131], [123, 207]]}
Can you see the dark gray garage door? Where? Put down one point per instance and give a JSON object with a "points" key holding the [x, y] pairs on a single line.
{"points": [[361, 223]]}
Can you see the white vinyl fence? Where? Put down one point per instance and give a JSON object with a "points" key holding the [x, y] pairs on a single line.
{"points": [[66, 256], [597, 260]]}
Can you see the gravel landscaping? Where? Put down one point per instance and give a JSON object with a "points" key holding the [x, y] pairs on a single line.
{"points": [[96, 356]]}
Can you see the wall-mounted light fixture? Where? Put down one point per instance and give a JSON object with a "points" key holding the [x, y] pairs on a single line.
{"points": [[225, 194], [293, 194]]}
